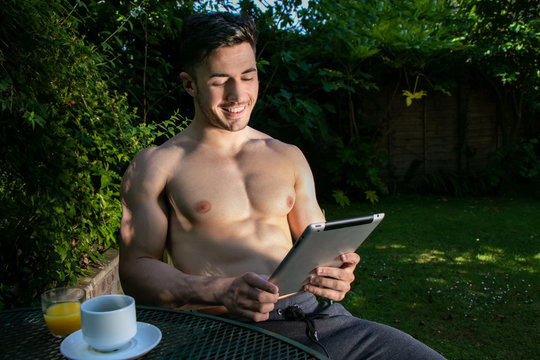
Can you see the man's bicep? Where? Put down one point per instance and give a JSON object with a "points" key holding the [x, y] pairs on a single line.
{"points": [[143, 232]]}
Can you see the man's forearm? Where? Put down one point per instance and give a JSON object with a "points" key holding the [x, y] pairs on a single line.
{"points": [[154, 283]]}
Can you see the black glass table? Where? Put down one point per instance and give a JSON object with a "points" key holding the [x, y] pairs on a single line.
{"points": [[185, 335]]}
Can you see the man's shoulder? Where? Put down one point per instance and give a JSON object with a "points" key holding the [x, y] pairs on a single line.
{"points": [[155, 160], [273, 143], [173, 147], [150, 157]]}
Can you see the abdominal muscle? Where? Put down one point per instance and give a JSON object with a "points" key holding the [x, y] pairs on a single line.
{"points": [[230, 248]]}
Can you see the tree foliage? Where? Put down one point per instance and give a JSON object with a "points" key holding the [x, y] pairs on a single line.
{"points": [[322, 75], [139, 40], [85, 84], [504, 40], [68, 138]]}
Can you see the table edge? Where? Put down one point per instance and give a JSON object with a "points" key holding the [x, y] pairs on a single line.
{"points": [[301, 346]]}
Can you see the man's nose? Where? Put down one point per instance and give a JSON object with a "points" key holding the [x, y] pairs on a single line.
{"points": [[235, 91]]}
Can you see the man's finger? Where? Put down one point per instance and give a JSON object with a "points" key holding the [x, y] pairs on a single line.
{"points": [[330, 283], [329, 294], [344, 274], [351, 258], [260, 282]]}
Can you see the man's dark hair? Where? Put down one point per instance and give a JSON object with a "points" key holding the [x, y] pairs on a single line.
{"points": [[203, 33]]}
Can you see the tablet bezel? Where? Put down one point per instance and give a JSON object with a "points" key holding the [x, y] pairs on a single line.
{"points": [[321, 244]]}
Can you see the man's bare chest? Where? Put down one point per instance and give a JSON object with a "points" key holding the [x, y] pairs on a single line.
{"points": [[204, 188]]}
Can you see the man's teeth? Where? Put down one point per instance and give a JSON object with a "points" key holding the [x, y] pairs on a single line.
{"points": [[236, 110]]}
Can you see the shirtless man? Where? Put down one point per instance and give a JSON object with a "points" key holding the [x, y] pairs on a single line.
{"points": [[224, 199]]}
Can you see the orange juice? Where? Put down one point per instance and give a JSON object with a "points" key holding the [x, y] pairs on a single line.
{"points": [[64, 318]]}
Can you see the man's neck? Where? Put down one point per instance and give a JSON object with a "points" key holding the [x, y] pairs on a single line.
{"points": [[228, 141]]}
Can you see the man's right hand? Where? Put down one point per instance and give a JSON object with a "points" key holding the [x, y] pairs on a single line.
{"points": [[250, 296]]}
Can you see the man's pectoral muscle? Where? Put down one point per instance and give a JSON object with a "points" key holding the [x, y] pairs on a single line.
{"points": [[234, 221]]}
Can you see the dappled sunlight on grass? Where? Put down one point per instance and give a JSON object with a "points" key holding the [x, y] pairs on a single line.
{"points": [[464, 282], [431, 256], [461, 260], [391, 246], [529, 268], [486, 257]]}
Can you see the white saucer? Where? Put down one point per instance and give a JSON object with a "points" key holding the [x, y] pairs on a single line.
{"points": [[147, 337]]}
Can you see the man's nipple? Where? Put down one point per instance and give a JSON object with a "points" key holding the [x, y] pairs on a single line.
{"points": [[203, 207], [290, 202]]}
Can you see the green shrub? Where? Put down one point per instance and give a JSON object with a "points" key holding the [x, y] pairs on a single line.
{"points": [[461, 183], [519, 165], [66, 141], [515, 167]]}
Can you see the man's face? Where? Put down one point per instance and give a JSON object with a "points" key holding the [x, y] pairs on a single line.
{"points": [[226, 87]]}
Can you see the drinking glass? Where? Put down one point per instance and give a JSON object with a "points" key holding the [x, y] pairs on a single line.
{"points": [[61, 310]]}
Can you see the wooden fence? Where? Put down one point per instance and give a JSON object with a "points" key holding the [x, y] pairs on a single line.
{"points": [[436, 133]]}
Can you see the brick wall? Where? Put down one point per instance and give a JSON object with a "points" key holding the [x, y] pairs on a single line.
{"points": [[104, 280]]}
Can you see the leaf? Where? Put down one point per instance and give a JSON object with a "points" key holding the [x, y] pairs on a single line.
{"points": [[409, 97], [372, 196], [341, 198], [287, 95], [261, 65], [4, 84], [329, 86]]}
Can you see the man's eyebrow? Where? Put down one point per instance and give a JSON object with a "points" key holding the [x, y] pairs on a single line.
{"points": [[247, 71], [250, 70]]}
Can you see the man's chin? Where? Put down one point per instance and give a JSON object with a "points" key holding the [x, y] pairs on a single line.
{"points": [[235, 125]]}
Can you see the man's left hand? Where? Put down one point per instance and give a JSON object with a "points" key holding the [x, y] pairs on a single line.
{"points": [[334, 283]]}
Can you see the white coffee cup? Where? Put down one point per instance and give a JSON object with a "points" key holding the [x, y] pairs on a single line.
{"points": [[108, 322]]}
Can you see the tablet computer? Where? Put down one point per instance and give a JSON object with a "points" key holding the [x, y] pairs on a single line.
{"points": [[321, 244]]}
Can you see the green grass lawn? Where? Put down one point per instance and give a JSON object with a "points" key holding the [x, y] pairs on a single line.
{"points": [[461, 275]]}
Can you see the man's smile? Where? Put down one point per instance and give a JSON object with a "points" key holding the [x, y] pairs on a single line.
{"points": [[235, 109]]}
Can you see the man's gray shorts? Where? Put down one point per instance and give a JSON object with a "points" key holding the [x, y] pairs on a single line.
{"points": [[341, 335]]}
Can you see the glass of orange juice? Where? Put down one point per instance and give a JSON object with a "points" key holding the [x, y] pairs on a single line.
{"points": [[61, 310]]}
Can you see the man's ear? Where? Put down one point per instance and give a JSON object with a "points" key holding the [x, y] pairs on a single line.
{"points": [[189, 83]]}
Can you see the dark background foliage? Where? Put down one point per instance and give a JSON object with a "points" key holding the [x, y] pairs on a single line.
{"points": [[84, 85]]}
